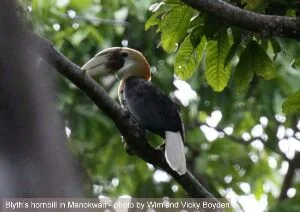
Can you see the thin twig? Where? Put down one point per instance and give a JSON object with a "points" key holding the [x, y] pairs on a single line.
{"points": [[287, 182]]}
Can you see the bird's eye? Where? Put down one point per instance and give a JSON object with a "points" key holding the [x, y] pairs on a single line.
{"points": [[124, 54]]}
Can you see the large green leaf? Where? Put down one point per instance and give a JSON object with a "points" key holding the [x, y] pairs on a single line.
{"points": [[216, 73], [261, 64], [176, 24], [292, 103], [188, 58]]}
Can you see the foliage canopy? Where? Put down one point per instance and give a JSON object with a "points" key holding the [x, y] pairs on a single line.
{"points": [[239, 83]]}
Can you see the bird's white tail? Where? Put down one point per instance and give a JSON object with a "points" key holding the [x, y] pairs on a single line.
{"points": [[174, 152]]}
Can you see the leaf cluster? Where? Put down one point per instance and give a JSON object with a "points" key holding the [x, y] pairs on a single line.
{"points": [[228, 56], [241, 74]]}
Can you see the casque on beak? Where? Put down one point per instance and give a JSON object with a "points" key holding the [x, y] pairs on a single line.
{"points": [[105, 62]]}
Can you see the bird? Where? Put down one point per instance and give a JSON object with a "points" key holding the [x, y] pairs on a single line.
{"points": [[151, 107]]}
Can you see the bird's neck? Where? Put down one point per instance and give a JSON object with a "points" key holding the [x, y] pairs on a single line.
{"points": [[122, 84]]}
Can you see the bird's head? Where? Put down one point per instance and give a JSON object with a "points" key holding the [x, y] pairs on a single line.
{"points": [[122, 61]]}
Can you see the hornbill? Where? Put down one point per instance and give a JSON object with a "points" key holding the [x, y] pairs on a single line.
{"points": [[153, 109]]}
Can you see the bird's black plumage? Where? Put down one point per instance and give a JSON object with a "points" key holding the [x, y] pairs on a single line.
{"points": [[154, 110]]}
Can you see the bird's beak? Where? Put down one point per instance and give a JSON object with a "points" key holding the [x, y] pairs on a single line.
{"points": [[120, 74], [98, 64]]}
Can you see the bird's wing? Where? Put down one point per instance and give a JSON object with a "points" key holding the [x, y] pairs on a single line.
{"points": [[151, 107], [159, 114]]}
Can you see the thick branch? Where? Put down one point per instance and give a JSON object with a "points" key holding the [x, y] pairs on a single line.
{"points": [[266, 24], [128, 126]]}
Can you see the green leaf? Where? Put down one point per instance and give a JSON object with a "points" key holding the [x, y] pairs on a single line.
{"points": [[78, 36], [276, 47], [196, 36], [258, 188], [213, 26], [244, 71], [291, 13], [233, 49], [236, 47], [177, 21], [39, 7], [225, 148], [292, 103], [95, 34], [216, 73], [188, 58], [290, 205], [297, 63], [237, 34], [80, 4], [154, 7], [261, 64], [255, 5], [174, 2], [196, 21], [156, 17], [244, 122]]}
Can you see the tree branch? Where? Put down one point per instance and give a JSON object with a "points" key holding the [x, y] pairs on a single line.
{"points": [[128, 126], [268, 25], [288, 179]]}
